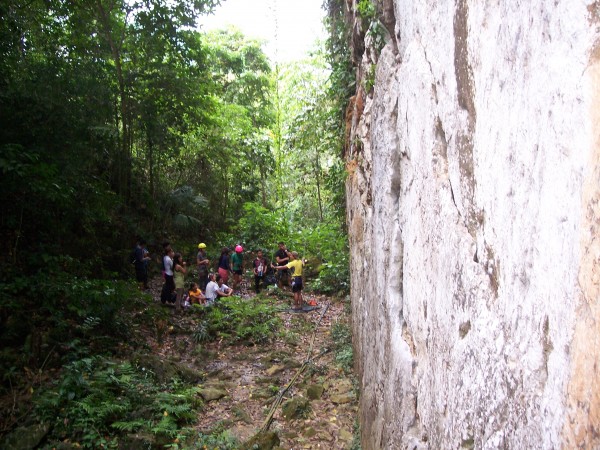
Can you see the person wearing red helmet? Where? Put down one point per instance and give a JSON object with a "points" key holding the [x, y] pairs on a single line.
{"points": [[237, 266]]}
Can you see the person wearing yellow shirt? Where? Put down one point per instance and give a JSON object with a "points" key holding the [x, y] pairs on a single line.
{"points": [[295, 265], [196, 295]]}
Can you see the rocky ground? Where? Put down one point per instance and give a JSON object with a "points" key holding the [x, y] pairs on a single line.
{"points": [[242, 383]]}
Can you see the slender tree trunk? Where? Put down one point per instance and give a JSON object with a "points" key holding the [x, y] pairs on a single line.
{"points": [[278, 151], [318, 180], [263, 185], [124, 160], [151, 166], [225, 198]]}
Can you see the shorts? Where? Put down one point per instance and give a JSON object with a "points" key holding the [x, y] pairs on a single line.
{"points": [[224, 274], [296, 284], [283, 273], [238, 271]]}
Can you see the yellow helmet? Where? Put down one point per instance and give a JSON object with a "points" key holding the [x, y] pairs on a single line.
{"points": [[202, 245]]}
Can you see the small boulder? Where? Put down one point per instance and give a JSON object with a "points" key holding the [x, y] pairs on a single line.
{"points": [[342, 386], [347, 397], [314, 391], [210, 394], [274, 369], [295, 408], [310, 432], [262, 441], [25, 438], [345, 435], [241, 414]]}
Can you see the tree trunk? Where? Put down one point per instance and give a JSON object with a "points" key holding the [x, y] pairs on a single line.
{"points": [[124, 158], [318, 180]]}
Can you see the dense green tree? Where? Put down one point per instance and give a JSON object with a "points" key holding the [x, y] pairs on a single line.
{"points": [[311, 140], [235, 156]]}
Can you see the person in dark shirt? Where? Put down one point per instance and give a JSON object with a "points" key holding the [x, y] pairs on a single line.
{"points": [[224, 265], [282, 258], [142, 256], [261, 266]]}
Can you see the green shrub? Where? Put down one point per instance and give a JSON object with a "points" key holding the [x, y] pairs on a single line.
{"points": [[259, 228], [201, 333], [63, 312], [366, 9], [329, 243], [97, 397], [368, 13], [238, 320], [341, 335]]}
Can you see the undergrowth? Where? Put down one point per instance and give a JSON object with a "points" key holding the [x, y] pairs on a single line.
{"points": [[97, 402], [237, 320], [342, 340], [341, 334], [64, 365]]}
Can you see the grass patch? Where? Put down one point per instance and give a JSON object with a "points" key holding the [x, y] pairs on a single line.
{"points": [[235, 320], [342, 341]]}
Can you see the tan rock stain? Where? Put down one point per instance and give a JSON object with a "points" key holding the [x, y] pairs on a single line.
{"points": [[582, 425]]}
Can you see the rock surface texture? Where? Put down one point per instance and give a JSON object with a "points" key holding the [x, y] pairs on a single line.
{"points": [[473, 153]]}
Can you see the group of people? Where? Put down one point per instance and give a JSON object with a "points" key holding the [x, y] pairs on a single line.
{"points": [[287, 264], [210, 285]]}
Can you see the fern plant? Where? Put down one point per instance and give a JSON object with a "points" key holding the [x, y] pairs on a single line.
{"points": [[98, 401]]}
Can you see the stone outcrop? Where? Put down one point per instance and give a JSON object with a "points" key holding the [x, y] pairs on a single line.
{"points": [[473, 158]]}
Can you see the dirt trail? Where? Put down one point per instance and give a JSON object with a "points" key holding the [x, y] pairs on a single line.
{"points": [[242, 382]]}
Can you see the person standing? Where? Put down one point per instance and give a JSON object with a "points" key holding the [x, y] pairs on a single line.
{"points": [[203, 263], [296, 265], [179, 270], [260, 270], [169, 286], [141, 258], [224, 266], [237, 266], [282, 258], [147, 260], [166, 245]]}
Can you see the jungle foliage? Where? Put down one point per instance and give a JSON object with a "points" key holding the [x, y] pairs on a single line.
{"points": [[121, 119]]}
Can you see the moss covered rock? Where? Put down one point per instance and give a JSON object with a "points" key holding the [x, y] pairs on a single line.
{"points": [[295, 408], [262, 441], [314, 391]]}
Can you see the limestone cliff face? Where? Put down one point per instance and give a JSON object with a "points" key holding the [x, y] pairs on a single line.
{"points": [[474, 218]]}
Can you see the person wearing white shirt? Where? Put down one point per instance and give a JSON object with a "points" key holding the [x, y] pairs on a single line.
{"points": [[224, 290], [166, 294], [211, 289]]}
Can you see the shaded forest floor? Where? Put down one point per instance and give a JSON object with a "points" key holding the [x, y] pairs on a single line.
{"points": [[241, 382]]}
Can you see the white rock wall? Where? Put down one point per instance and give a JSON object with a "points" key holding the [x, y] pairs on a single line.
{"points": [[474, 212]]}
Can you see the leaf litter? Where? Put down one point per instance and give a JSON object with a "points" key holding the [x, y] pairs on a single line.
{"points": [[251, 376]]}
